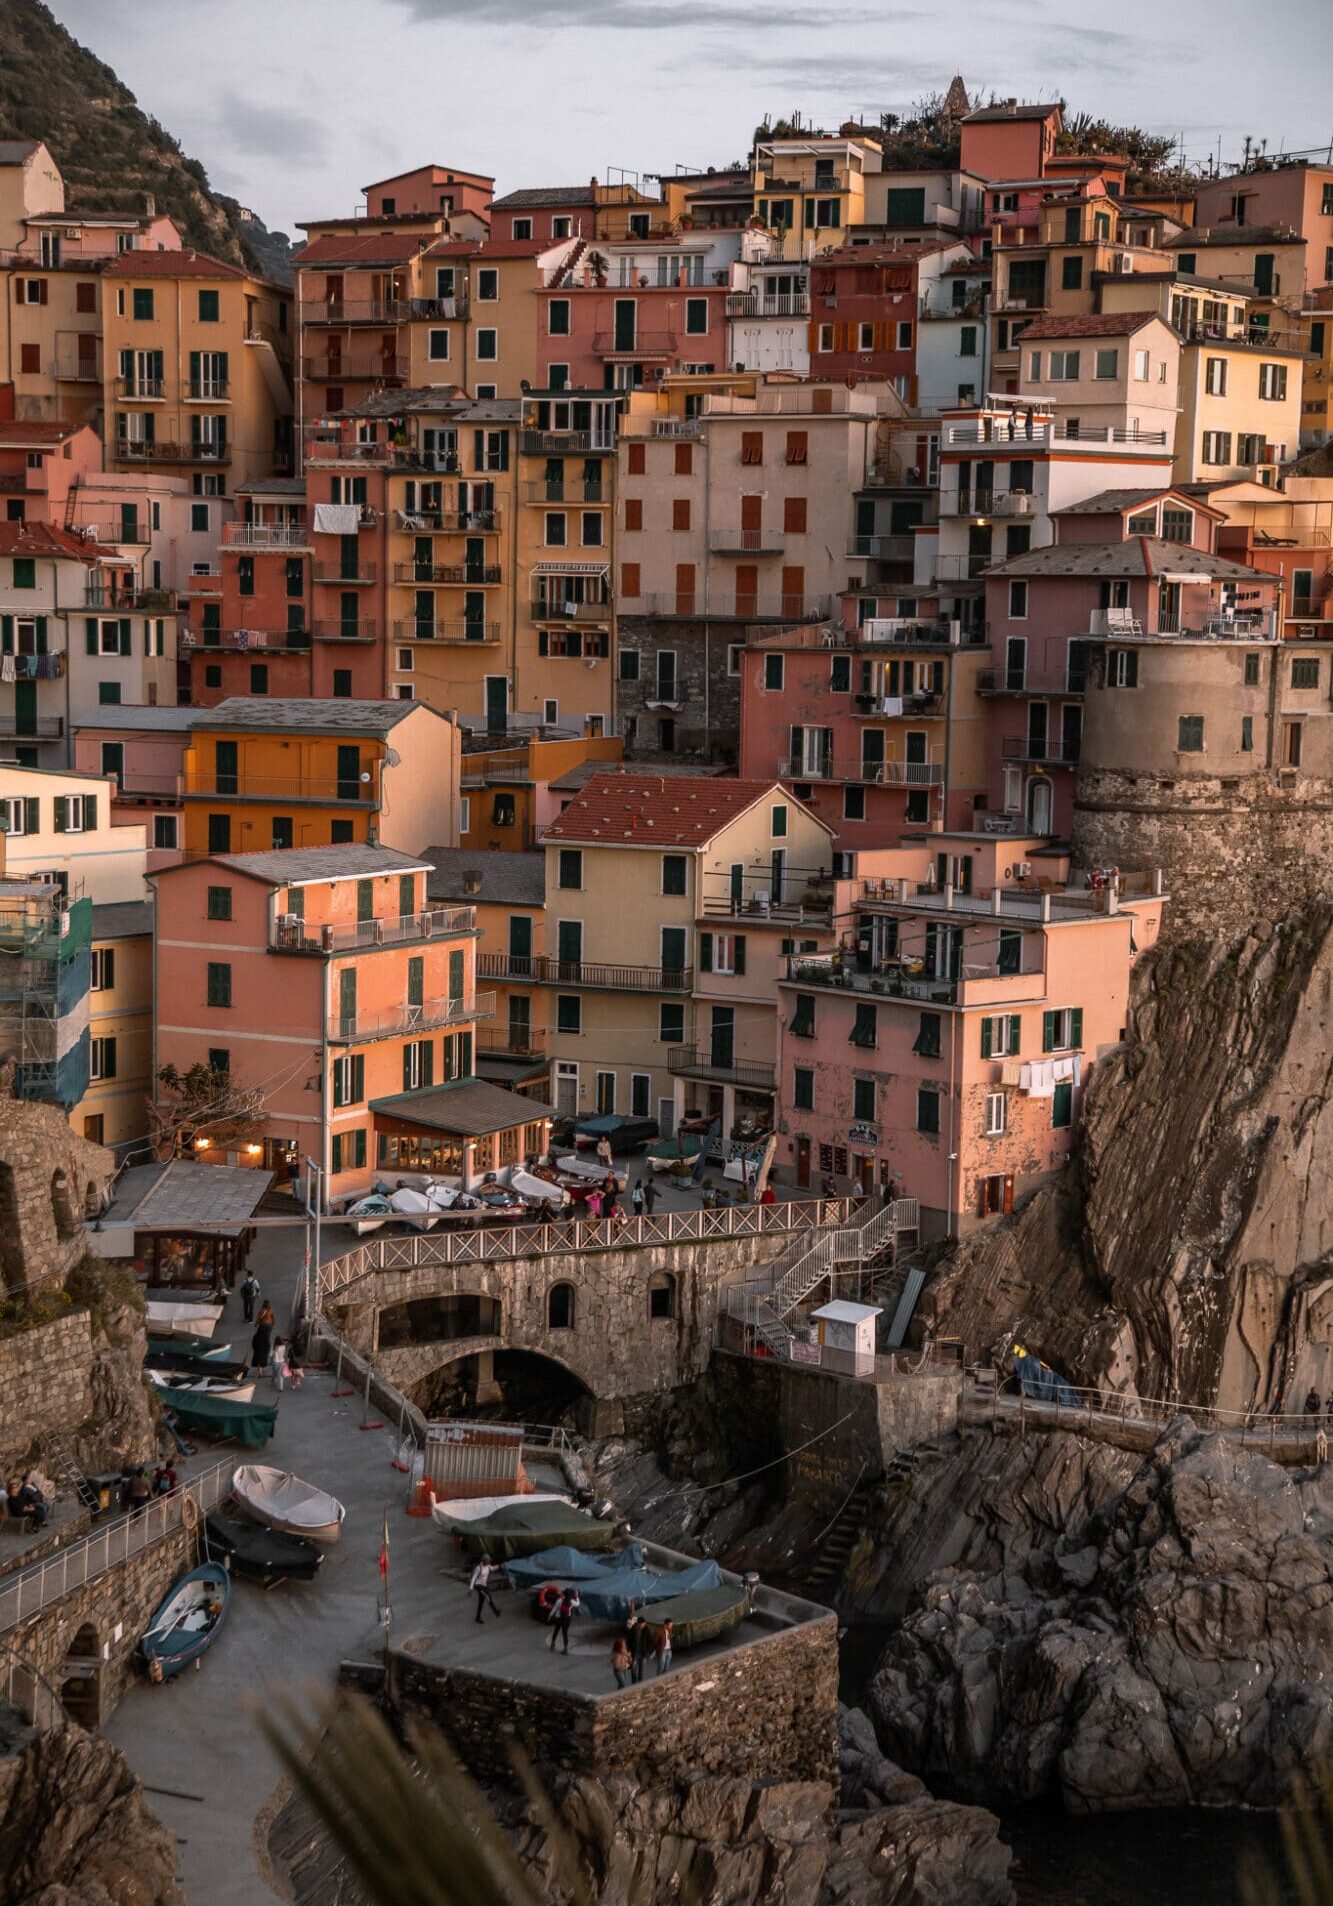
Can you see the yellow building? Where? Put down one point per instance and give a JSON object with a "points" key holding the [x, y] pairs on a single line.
{"points": [[812, 191], [508, 893], [1240, 409], [260, 774], [114, 1110], [196, 366], [501, 335], [645, 997], [1316, 334], [511, 792]]}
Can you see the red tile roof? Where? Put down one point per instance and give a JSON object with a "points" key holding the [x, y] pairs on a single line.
{"points": [[515, 247], [172, 264], [363, 248], [1106, 324], [42, 539], [618, 809], [17, 435]]}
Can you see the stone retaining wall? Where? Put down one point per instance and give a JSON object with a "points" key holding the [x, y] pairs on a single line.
{"points": [[45, 1385]]}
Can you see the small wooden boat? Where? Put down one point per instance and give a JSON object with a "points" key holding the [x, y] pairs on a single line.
{"points": [[164, 1357], [251, 1548], [415, 1208], [369, 1213], [240, 1390], [538, 1187], [702, 1615], [283, 1501], [182, 1346], [188, 1621], [182, 1320]]}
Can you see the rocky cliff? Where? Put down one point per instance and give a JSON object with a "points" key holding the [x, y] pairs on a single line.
{"points": [[1187, 1251], [75, 1829], [1157, 1638]]}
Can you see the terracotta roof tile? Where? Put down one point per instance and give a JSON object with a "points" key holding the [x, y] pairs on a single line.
{"points": [[365, 248], [1105, 324], [41, 539], [646, 810], [172, 264]]}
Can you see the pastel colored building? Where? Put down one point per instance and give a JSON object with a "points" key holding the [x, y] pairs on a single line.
{"points": [[249, 620], [1291, 194], [196, 369], [809, 191], [946, 1048], [1010, 141], [1285, 532], [652, 1009], [141, 751], [626, 313], [514, 788], [1113, 371], [62, 820], [508, 892], [325, 981], [264, 774], [876, 731], [114, 1109], [1240, 407]]}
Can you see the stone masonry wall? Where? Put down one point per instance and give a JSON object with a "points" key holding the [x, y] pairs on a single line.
{"points": [[117, 1607], [614, 1347], [1232, 852], [707, 715], [766, 1711], [41, 1220], [45, 1385]]}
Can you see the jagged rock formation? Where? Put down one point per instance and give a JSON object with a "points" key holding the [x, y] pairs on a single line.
{"points": [[881, 1840], [111, 153], [1168, 1642], [75, 1829], [1188, 1251]]}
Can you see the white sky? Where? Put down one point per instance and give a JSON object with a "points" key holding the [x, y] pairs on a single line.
{"points": [[294, 105]]}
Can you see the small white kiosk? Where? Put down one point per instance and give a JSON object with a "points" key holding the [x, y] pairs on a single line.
{"points": [[848, 1327]]}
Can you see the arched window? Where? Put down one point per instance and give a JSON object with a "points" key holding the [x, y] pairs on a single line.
{"points": [[560, 1307], [662, 1294]]}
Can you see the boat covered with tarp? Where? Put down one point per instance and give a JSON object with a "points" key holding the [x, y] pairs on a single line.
{"points": [[200, 1383], [187, 1621], [610, 1586], [220, 1416], [181, 1320], [524, 1528], [702, 1615], [463, 1512], [684, 1148], [284, 1501], [1041, 1384], [252, 1548], [165, 1356]]}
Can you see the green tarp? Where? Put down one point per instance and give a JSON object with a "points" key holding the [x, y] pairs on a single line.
{"points": [[219, 1416], [524, 1528], [700, 1616]]}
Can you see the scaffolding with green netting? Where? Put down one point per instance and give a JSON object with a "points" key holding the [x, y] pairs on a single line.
{"points": [[45, 972]]}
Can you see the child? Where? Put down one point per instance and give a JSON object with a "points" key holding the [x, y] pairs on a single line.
{"points": [[295, 1368], [279, 1362]]}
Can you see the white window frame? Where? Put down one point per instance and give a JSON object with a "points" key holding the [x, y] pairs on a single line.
{"points": [[1215, 376], [724, 953], [997, 1114], [97, 980], [406, 661], [562, 227], [1273, 383], [1064, 1029], [1142, 367], [825, 342], [521, 228], [866, 337], [999, 1036], [12, 812]]}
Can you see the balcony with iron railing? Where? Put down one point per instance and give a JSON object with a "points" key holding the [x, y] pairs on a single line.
{"points": [[130, 601], [441, 309], [558, 609], [1003, 430], [20, 727], [564, 443], [543, 970], [460, 575], [753, 541], [893, 773], [133, 532], [355, 310], [77, 370], [677, 427], [202, 781], [916, 706], [343, 629], [1032, 681], [576, 490], [512, 1041], [642, 344], [884, 549], [423, 1016], [768, 304], [720, 1068], [203, 390], [141, 389], [1039, 751], [336, 575], [340, 449], [147, 450], [448, 629], [447, 522], [721, 606], [204, 641], [290, 935], [975, 503], [266, 535]]}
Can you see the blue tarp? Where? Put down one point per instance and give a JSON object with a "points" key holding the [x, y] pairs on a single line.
{"points": [[1037, 1380], [607, 1585]]}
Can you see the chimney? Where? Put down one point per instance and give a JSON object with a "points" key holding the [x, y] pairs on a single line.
{"points": [[1011, 105], [472, 881]]}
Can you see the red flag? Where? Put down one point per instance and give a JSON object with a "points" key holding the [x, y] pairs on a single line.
{"points": [[384, 1548]]}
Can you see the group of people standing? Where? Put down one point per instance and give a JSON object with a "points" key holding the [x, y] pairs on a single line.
{"points": [[636, 1644], [267, 1350]]}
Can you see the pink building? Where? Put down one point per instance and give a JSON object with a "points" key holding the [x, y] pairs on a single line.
{"points": [[1044, 610], [429, 188], [948, 1044], [144, 748], [625, 314]]}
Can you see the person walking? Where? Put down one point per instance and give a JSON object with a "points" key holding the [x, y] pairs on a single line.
{"points": [[279, 1363], [295, 1368], [622, 1662], [662, 1647], [594, 1203], [479, 1584], [1312, 1404], [637, 1642], [261, 1344], [249, 1295], [604, 1150], [650, 1196], [636, 1198], [560, 1617]]}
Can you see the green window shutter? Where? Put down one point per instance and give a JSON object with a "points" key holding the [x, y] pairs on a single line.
{"points": [[337, 1152], [60, 813], [1015, 1034], [739, 962], [465, 1055], [90, 811], [985, 1038], [705, 952], [125, 638], [479, 449], [195, 359], [31, 815], [90, 633], [337, 1084], [7, 634], [1048, 1032], [359, 1142], [108, 1058], [407, 1068], [223, 371], [358, 1079], [428, 1062], [456, 971], [41, 635], [1076, 1028], [416, 980]]}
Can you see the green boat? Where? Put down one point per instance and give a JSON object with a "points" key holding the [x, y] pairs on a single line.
{"points": [[700, 1616], [220, 1417], [524, 1528]]}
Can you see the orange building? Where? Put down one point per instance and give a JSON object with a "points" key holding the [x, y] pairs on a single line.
{"points": [[249, 623], [326, 983], [511, 791], [292, 773]]}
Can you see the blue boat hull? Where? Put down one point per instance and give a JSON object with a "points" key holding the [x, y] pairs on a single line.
{"points": [[168, 1646]]}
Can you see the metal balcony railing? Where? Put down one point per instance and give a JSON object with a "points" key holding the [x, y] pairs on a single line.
{"points": [[437, 923], [554, 443], [343, 630], [546, 609], [678, 426], [693, 1062], [141, 388], [758, 304], [344, 792], [202, 389], [740, 542], [1055, 751], [423, 1016], [33, 728], [1007, 503], [338, 577], [266, 535], [77, 370], [898, 549], [642, 344], [468, 575], [543, 970], [573, 491], [357, 370], [1032, 681], [418, 629], [354, 311], [203, 641]]}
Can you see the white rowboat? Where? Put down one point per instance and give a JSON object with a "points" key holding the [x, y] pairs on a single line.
{"points": [[283, 1501]]}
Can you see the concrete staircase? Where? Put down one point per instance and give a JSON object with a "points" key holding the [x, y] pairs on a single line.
{"points": [[766, 1307], [836, 1545]]}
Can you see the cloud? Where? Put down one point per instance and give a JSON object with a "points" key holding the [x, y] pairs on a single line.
{"points": [[260, 131], [659, 16]]}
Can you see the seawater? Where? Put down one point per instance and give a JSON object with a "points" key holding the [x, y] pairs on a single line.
{"points": [[1181, 1857]]}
